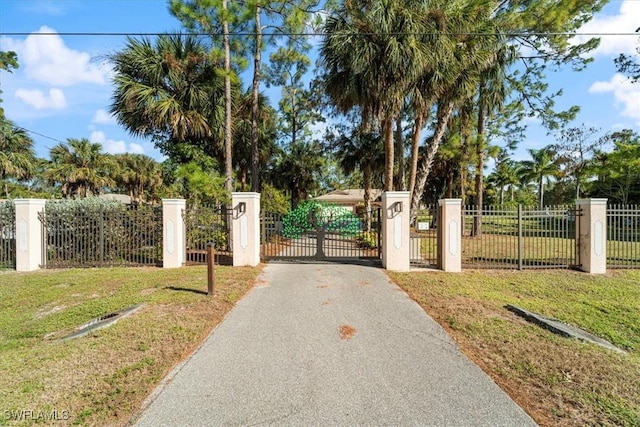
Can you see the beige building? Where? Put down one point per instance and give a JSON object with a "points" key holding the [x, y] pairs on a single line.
{"points": [[350, 197]]}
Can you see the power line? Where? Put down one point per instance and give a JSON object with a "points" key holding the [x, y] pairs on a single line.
{"points": [[39, 134], [312, 34]]}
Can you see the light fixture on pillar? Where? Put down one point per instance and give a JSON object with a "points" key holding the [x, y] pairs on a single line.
{"points": [[397, 207], [242, 207]]}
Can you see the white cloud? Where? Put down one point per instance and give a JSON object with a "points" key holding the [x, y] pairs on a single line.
{"points": [[625, 93], [55, 100], [46, 59], [625, 21], [102, 117], [114, 147]]}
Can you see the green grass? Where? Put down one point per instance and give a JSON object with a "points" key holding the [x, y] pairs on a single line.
{"points": [[557, 380], [100, 379]]}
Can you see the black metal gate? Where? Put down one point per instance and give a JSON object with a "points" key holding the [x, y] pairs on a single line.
{"points": [[325, 233]]}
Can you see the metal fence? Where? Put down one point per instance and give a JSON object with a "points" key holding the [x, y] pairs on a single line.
{"points": [[424, 237], [623, 236], [7, 235], [204, 225], [105, 237], [522, 237]]}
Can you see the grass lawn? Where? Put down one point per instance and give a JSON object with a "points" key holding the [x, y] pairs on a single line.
{"points": [[558, 381], [102, 378]]}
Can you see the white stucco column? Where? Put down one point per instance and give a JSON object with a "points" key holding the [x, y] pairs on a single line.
{"points": [[592, 235], [246, 229], [29, 236], [173, 233], [450, 235], [396, 234]]}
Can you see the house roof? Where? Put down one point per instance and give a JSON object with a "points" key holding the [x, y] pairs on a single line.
{"points": [[122, 198], [349, 195]]}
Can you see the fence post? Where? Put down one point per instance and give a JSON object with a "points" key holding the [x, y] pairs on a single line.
{"points": [[592, 235], [450, 235], [173, 233], [246, 229], [396, 251], [520, 239], [29, 236]]}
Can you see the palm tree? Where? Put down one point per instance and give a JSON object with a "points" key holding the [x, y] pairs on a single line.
{"points": [[542, 166], [455, 77], [505, 175], [298, 169], [362, 151], [137, 173], [373, 52], [80, 167], [17, 159], [170, 91]]}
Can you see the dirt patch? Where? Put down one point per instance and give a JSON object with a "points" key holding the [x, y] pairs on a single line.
{"points": [[46, 312], [346, 332], [322, 286]]}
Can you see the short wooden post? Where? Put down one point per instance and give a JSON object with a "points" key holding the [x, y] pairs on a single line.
{"points": [[211, 278]]}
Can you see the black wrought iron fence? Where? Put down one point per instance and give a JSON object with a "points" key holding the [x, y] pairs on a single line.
{"points": [[519, 238], [424, 237], [101, 236], [7, 235], [623, 236], [204, 225]]}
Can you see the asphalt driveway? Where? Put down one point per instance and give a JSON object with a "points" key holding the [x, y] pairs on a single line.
{"points": [[329, 344]]}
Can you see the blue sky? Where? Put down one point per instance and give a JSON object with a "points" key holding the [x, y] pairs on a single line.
{"points": [[62, 90]]}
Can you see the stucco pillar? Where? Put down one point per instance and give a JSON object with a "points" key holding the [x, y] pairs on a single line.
{"points": [[246, 229], [173, 233], [450, 235], [396, 215], [592, 235], [29, 236]]}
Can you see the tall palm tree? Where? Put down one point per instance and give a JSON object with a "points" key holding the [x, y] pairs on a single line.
{"points": [[455, 77], [542, 166], [171, 91], [372, 52], [80, 167], [362, 151], [17, 159], [506, 175]]}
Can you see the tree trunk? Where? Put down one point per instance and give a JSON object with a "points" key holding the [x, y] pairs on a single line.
{"points": [[387, 131], [444, 113], [255, 149], [398, 180], [228, 147], [541, 190], [477, 221], [415, 149], [366, 178], [243, 178]]}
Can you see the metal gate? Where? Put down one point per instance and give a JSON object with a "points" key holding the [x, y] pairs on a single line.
{"points": [[325, 233]]}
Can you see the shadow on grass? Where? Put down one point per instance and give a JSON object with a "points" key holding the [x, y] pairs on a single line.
{"points": [[195, 291]]}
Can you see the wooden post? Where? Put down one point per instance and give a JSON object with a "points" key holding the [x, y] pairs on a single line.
{"points": [[210, 271]]}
